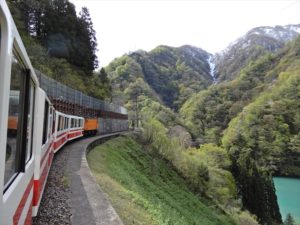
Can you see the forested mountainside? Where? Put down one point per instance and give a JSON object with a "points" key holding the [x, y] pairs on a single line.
{"points": [[261, 106], [209, 112], [61, 44], [256, 42], [171, 74], [252, 113]]}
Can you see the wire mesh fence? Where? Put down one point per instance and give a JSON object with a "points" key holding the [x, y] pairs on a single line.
{"points": [[58, 91]]}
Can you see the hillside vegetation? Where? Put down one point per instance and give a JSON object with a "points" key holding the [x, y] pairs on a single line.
{"points": [[261, 107], [250, 118], [167, 75], [145, 189], [61, 44], [208, 113]]}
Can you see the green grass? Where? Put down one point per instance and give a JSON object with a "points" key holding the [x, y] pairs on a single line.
{"points": [[145, 190]]}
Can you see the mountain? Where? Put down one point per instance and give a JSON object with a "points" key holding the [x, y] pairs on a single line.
{"points": [[256, 118], [265, 136], [251, 114], [253, 44], [170, 74]]}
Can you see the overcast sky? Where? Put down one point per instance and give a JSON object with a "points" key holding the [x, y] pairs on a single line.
{"points": [[125, 26]]}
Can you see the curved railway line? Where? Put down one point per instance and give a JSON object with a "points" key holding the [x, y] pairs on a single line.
{"points": [[71, 195], [38, 117]]}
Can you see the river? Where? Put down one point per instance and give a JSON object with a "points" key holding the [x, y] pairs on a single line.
{"points": [[288, 196]]}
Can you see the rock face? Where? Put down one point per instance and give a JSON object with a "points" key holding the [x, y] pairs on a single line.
{"points": [[256, 42]]}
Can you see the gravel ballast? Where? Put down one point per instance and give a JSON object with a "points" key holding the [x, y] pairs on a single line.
{"points": [[54, 208]]}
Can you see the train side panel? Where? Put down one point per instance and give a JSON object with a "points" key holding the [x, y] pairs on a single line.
{"points": [[16, 156], [43, 148], [90, 126], [61, 131], [76, 127]]}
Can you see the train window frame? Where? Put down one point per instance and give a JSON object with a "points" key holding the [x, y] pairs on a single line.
{"points": [[26, 103], [45, 122], [73, 122], [31, 86], [59, 123], [50, 122], [66, 123], [63, 123]]}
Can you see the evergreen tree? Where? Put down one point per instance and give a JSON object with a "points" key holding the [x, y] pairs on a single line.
{"points": [[87, 36], [103, 76], [55, 24], [289, 220]]}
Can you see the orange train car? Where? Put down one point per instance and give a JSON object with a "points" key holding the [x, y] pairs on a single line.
{"points": [[90, 126], [12, 123]]}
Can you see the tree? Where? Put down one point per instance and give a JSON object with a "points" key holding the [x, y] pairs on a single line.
{"points": [[103, 76], [87, 37], [289, 220]]}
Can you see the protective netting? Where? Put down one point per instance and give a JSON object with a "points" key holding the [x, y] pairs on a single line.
{"points": [[58, 91]]}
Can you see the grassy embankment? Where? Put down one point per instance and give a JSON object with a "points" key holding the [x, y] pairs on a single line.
{"points": [[144, 189]]}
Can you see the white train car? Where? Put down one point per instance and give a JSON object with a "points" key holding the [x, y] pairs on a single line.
{"points": [[67, 127], [30, 129], [16, 148]]}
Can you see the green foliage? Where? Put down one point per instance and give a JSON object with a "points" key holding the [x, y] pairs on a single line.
{"points": [[144, 189], [54, 25], [172, 74], [53, 54], [262, 137], [196, 172], [208, 113], [289, 220]]}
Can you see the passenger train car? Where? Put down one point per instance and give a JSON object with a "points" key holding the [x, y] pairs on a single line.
{"points": [[31, 129]]}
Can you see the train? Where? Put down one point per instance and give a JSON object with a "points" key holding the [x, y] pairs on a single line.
{"points": [[33, 128]]}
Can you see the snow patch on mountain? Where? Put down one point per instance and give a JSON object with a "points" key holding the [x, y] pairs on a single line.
{"points": [[281, 34]]}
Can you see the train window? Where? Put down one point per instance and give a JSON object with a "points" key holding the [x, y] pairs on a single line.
{"points": [[45, 127], [20, 123], [53, 123], [29, 103], [59, 123], [50, 122], [66, 123]]}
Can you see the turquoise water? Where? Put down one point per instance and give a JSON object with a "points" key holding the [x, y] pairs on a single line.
{"points": [[288, 196]]}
